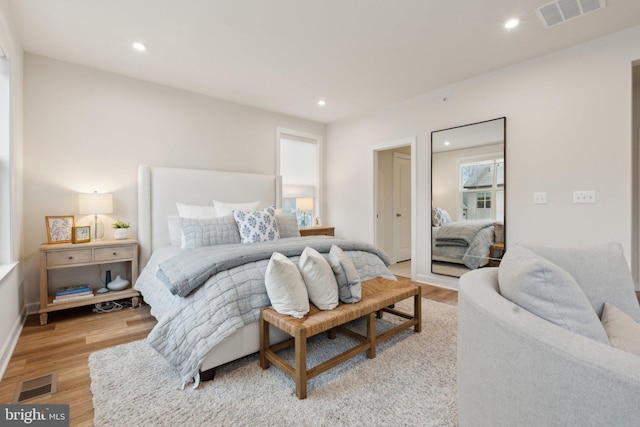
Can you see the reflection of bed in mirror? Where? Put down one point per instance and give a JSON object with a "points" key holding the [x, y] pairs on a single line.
{"points": [[468, 196], [462, 242]]}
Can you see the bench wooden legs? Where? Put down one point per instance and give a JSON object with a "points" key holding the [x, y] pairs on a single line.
{"points": [[301, 364], [367, 343], [371, 335], [417, 311], [264, 341]]}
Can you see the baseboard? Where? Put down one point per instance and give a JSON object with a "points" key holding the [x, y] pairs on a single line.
{"points": [[10, 344], [437, 280], [33, 308]]}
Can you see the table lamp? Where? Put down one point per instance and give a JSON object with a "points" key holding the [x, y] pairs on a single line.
{"points": [[304, 204], [95, 204]]}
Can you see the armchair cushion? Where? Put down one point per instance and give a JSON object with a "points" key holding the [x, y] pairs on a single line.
{"points": [[546, 290], [602, 273]]}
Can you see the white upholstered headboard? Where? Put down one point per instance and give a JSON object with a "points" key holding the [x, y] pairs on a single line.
{"points": [[159, 189]]}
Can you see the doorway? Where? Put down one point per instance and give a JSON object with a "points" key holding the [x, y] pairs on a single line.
{"points": [[394, 202]]}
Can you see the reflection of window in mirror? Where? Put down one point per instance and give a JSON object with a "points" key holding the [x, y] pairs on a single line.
{"points": [[482, 183], [299, 166]]}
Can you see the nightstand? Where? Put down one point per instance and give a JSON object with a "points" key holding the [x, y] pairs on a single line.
{"points": [[68, 255], [496, 252], [318, 230]]}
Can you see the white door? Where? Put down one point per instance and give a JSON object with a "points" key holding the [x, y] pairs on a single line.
{"points": [[401, 207]]}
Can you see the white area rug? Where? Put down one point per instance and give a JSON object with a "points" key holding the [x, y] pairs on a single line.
{"points": [[410, 382]]}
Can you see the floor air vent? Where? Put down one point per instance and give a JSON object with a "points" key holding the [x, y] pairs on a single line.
{"points": [[36, 387], [560, 11]]}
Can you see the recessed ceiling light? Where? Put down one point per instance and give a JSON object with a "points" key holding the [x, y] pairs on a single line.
{"points": [[322, 102], [139, 46], [447, 143], [512, 23]]}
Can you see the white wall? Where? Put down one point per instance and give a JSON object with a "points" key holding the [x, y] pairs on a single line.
{"points": [[89, 130], [12, 308], [568, 128]]}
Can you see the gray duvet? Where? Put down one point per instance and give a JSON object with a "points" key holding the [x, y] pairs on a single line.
{"points": [[224, 290]]}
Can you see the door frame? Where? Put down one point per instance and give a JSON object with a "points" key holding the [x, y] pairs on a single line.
{"points": [[403, 142]]}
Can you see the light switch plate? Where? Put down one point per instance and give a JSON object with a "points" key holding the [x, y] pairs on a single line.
{"points": [[584, 197], [540, 198]]}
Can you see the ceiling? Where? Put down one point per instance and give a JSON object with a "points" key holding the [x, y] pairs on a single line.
{"points": [[285, 55]]}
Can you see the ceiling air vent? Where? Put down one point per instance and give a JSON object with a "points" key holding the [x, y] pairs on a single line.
{"points": [[560, 11]]}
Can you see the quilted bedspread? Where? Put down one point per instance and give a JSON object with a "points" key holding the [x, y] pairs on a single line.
{"points": [[229, 298]]}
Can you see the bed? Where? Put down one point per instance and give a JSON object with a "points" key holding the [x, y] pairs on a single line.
{"points": [[461, 242], [211, 318]]}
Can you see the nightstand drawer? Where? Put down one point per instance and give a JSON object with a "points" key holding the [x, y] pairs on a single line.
{"points": [[113, 253], [70, 257]]}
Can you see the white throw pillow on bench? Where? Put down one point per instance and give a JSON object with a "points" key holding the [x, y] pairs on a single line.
{"points": [[347, 277], [285, 287], [319, 279]]}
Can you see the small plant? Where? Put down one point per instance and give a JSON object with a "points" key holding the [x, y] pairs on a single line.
{"points": [[120, 224]]}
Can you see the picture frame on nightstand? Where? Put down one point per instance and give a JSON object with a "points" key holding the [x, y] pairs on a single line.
{"points": [[60, 228], [81, 234]]}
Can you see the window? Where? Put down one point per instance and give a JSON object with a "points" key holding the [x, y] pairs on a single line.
{"points": [[482, 190], [299, 165]]}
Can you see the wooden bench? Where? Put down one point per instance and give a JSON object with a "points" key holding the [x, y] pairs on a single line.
{"points": [[378, 295]]}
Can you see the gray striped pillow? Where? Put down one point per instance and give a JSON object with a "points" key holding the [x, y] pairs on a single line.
{"points": [[209, 232]]}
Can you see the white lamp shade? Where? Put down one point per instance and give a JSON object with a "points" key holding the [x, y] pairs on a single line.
{"points": [[95, 203], [304, 204]]}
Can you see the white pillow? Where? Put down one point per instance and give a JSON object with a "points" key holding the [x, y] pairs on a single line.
{"points": [[622, 330], [319, 279], [224, 209], [285, 287], [257, 226], [347, 277], [196, 212]]}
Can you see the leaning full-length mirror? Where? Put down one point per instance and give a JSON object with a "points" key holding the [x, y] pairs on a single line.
{"points": [[468, 182]]}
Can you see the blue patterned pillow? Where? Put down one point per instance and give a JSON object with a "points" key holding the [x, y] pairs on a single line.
{"points": [[257, 226]]}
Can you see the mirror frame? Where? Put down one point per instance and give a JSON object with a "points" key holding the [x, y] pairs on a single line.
{"points": [[504, 138]]}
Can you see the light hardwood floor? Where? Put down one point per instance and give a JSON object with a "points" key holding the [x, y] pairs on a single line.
{"points": [[63, 346]]}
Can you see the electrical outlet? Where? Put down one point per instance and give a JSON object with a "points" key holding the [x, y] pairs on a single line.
{"points": [[540, 198], [584, 197]]}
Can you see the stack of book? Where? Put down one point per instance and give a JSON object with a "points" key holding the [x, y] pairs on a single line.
{"points": [[73, 293]]}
